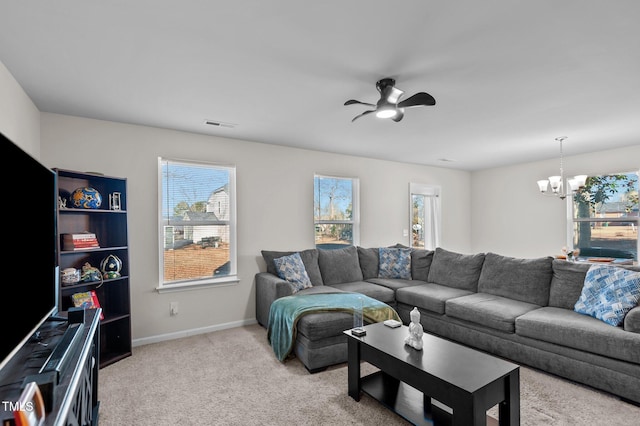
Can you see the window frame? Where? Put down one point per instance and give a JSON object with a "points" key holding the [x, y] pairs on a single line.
{"points": [[229, 279], [572, 221], [432, 234], [355, 209]]}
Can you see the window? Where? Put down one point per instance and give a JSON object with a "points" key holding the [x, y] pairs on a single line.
{"points": [[197, 223], [604, 217], [425, 216], [335, 210]]}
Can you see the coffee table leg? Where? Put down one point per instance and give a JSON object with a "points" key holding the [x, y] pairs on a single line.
{"points": [[426, 404], [509, 410], [353, 366]]}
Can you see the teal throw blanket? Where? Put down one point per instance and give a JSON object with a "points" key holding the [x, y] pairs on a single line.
{"points": [[286, 311]]}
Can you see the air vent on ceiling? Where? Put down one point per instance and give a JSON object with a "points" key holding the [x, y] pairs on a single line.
{"points": [[215, 123]]}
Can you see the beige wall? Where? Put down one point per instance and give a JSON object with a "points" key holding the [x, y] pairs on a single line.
{"points": [[511, 217], [19, 117], [275, 207]]}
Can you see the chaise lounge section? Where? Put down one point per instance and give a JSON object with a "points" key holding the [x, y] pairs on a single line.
{"points": [[519, 309]]}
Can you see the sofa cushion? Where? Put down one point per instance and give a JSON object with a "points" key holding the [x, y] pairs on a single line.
{"points": [[573, 330], [394, 263], [455, 269], [339, 265], [566, 283], [369, 260], [489, 310], [609, 293], [632, 320], [526, 280], [429, 296], [393, 283], [378, 292], [322, 325], [420, 264], [291, 268], [309, 258], [568, 280]]}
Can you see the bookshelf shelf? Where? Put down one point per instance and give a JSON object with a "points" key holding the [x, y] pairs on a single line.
{"points": [[109, 224]]}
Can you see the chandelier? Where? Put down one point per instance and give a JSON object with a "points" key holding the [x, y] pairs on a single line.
{"points": [[559, 186]]}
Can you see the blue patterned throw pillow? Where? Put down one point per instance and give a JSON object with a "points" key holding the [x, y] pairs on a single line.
{"points": [[291, 268], [609, 293], [394, 263]]}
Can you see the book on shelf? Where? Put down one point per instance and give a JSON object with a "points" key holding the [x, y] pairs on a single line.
{"points": [[86, 300], [79, 235], [81, 241], [74, 246]]}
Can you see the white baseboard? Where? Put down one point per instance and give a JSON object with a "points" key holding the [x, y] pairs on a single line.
{"points": [[191, 332]]}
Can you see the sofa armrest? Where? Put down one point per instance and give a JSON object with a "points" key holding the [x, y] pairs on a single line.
{"points": [[632, 320], [269, 288]]}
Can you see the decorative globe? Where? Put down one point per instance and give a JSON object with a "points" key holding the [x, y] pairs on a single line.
{"points": [[86, 198]]}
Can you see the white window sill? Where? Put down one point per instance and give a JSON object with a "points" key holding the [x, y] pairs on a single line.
{"points": [[196, 285]]}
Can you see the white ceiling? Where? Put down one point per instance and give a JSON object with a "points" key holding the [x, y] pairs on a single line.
{"points": [[508, 76]]}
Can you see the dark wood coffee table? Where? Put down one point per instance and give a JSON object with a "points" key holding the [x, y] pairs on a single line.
{"points": [[444, 383]]}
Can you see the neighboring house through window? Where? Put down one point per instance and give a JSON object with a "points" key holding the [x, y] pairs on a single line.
{"points": [[604, 217], [336, 211], [425, 216], [197, 223]]}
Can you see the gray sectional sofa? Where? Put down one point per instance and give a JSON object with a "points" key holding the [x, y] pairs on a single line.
{"points": [[519, 309]]}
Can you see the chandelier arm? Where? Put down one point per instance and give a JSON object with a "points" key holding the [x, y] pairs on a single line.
{"points": [[560, 187]]}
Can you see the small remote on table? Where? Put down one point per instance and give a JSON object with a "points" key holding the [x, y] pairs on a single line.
{"points": [[392, 323]]}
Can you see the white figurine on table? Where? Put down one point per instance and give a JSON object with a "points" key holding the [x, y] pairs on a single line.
{"points": [[414, 339]]}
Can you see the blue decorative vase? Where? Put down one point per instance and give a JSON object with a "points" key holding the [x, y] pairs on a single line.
{"points": [[86, 198]]}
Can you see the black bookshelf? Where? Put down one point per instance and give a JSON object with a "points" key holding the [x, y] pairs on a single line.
{"points": [[108, 222]]}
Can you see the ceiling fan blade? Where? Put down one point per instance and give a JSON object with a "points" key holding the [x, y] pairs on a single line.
{"points": [[399, 115], [364, 113], [353, 101], [419, 99]]}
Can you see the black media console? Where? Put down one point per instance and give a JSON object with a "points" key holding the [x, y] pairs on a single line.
{"points": [[63, 359]]}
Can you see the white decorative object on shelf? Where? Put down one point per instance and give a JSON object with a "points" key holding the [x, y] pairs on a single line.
{"points": [[70, 276], [414, 339], [114, 201]]}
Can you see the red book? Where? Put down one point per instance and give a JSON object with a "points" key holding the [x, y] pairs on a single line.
{"points": [[96, 302], [88, 243], [80, 245]]}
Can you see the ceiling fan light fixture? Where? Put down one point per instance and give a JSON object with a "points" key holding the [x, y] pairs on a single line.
{"points": [[389, 104], [386, 112]]}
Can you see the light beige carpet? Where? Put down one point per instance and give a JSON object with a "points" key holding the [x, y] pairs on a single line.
{"points": [[232, 377]]}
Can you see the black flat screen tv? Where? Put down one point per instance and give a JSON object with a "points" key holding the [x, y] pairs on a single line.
{"points": [[29, 285]]}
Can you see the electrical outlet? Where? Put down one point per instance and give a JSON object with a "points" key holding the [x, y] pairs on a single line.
{"points": [[173, 308]]}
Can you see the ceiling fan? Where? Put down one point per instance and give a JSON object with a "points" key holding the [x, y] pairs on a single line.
{"points": [[388, 105]]}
